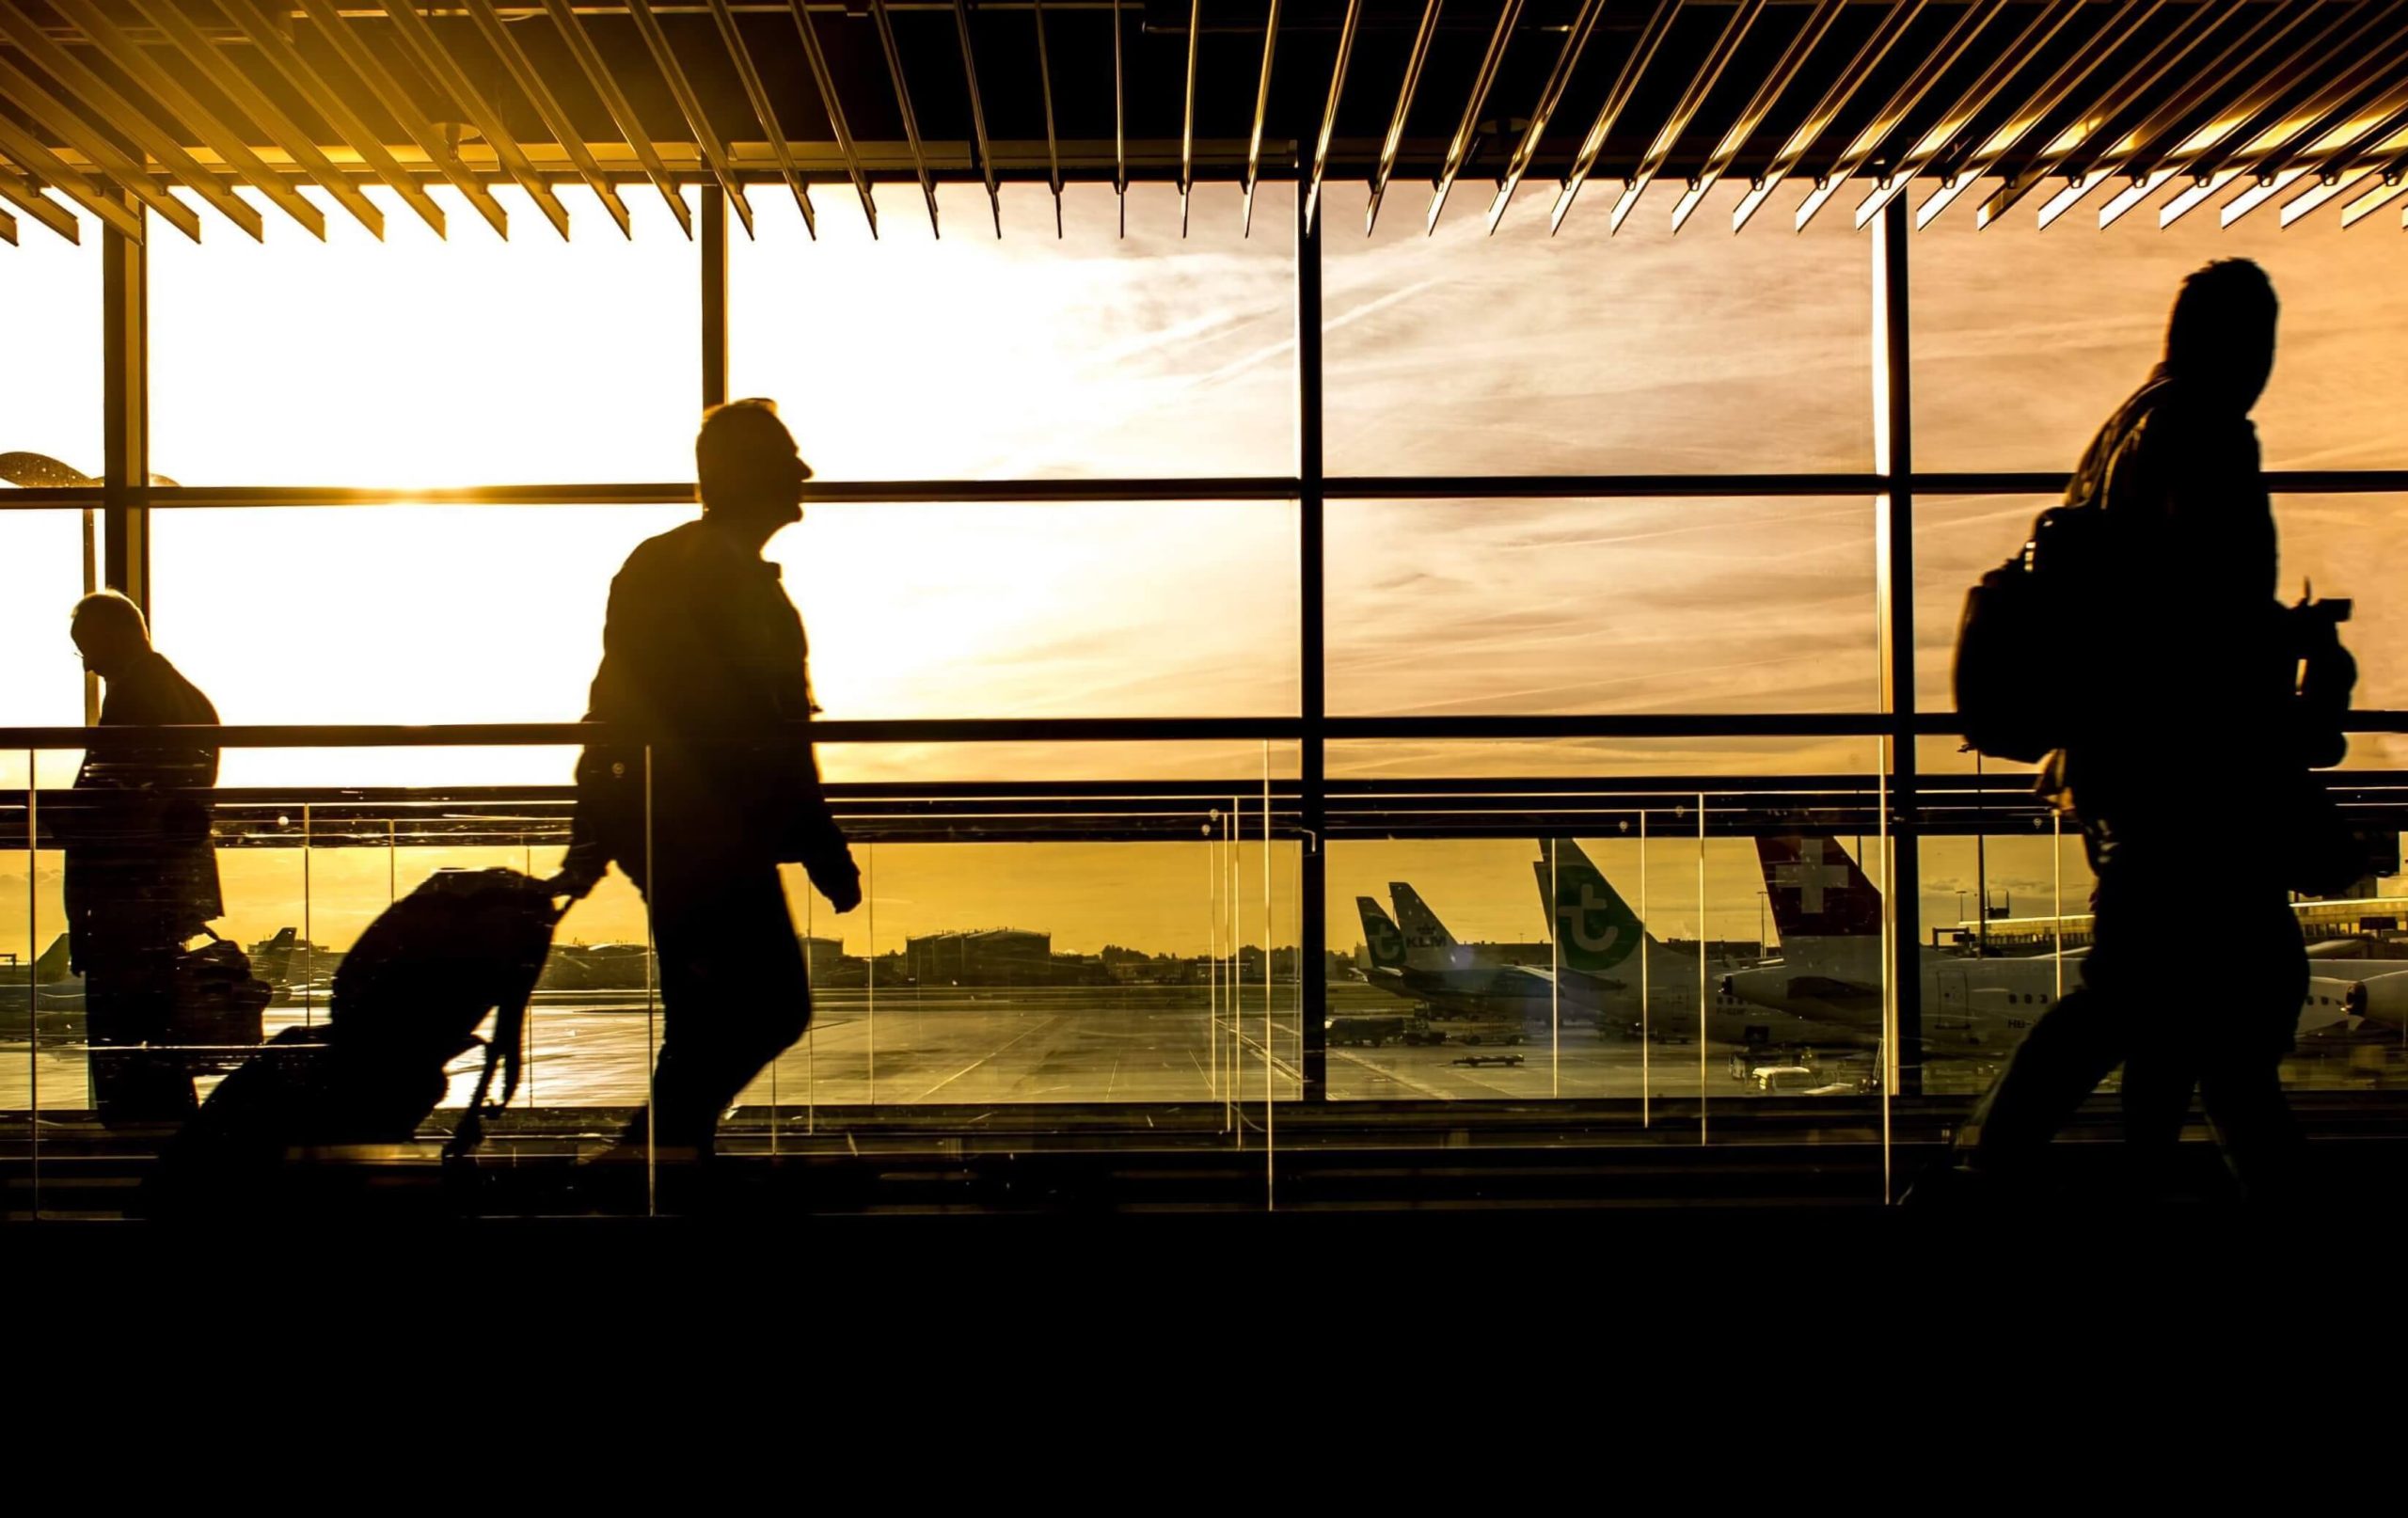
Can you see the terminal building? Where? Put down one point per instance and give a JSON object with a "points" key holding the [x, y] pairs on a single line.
{"points": [[1258, 453], [987, 957]]}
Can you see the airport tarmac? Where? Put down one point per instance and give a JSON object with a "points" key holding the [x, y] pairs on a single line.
{"points": [[911, 1047]]}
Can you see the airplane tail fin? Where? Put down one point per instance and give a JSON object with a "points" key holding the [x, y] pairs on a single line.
{"points": [[272, 959], [1423, 929], [1594, 929], [1816, 889], [1380, 935], [53, 965]]}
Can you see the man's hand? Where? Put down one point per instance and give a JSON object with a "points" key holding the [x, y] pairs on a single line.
{"points": [[840, 881]]}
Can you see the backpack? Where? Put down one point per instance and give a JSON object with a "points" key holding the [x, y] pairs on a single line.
{"points": [[2018, 698]]}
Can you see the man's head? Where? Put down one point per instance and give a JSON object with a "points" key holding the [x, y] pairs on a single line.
{"points": [[109, 632], [2222, 333], [748, 465]]}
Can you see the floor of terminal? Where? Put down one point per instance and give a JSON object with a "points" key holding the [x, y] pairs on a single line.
{"points": [[1339, 1160]]}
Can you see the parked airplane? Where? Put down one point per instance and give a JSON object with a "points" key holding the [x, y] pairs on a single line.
{"points": [[1638, 984], [1595, 981], [1422, 962], [1831, 966]]}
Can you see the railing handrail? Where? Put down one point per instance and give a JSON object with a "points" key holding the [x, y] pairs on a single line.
{"points": [[952, 730], [1105, 490]]}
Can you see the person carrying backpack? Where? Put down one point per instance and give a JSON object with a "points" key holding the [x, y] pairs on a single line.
{"points": [[2161, 675], [703, 659]]}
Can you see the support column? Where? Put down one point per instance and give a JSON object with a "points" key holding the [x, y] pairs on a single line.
{"points": [[1894, 457], [125, 475], [1312, 941], [714, 297]]}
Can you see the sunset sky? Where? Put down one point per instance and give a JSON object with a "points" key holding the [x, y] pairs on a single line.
{"points": [[419, 363]]}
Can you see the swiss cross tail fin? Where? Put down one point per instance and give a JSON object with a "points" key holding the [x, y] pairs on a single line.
{"points": [[1816, 889]]}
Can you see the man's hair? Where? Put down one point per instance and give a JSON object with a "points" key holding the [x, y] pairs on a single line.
{"points": [[742, 452], [110, 609], [2224, 312]]}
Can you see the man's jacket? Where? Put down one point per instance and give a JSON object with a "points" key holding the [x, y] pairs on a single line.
{"points": [[2190, 656], [141, 867], [704, 662]]}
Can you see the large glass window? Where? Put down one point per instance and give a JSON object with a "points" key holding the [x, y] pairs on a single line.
{"points": [[969, 356], [427, 361], [41, 677], [50, 366], [1601, 606], [416, 613], [2025, 341], [1588, 351]]}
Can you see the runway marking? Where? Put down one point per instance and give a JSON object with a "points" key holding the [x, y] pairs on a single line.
{"points": [[1398, 1076], [1052, 1023]]}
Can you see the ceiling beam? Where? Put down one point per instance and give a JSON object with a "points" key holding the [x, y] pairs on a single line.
{"points": [[1459, 146], [539, 94], [20, 90], [1633, 68], [824, 81], [1709, 72], [448, 76], [1835, 97], [126, 120], [328, 103], [130, 59], [1873, 139], [597, 76], [1391, 144], [903, 102], [1329, 112], [27, 195], [1751, 115], [254, 103], [689, 105], [1262, 104]]}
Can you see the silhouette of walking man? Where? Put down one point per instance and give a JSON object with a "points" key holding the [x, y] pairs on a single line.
{"points": [[703, 653], [141, 869], [2189, 773]]}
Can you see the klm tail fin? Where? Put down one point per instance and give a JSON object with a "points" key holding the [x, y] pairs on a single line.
{"points": [[1423, 929], [53, 965], [1387, 945], [1594, 929], [1816, 890], [272, 961]]}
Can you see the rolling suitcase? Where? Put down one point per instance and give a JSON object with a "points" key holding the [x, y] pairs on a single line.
{"points": [[408, 1000]]}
